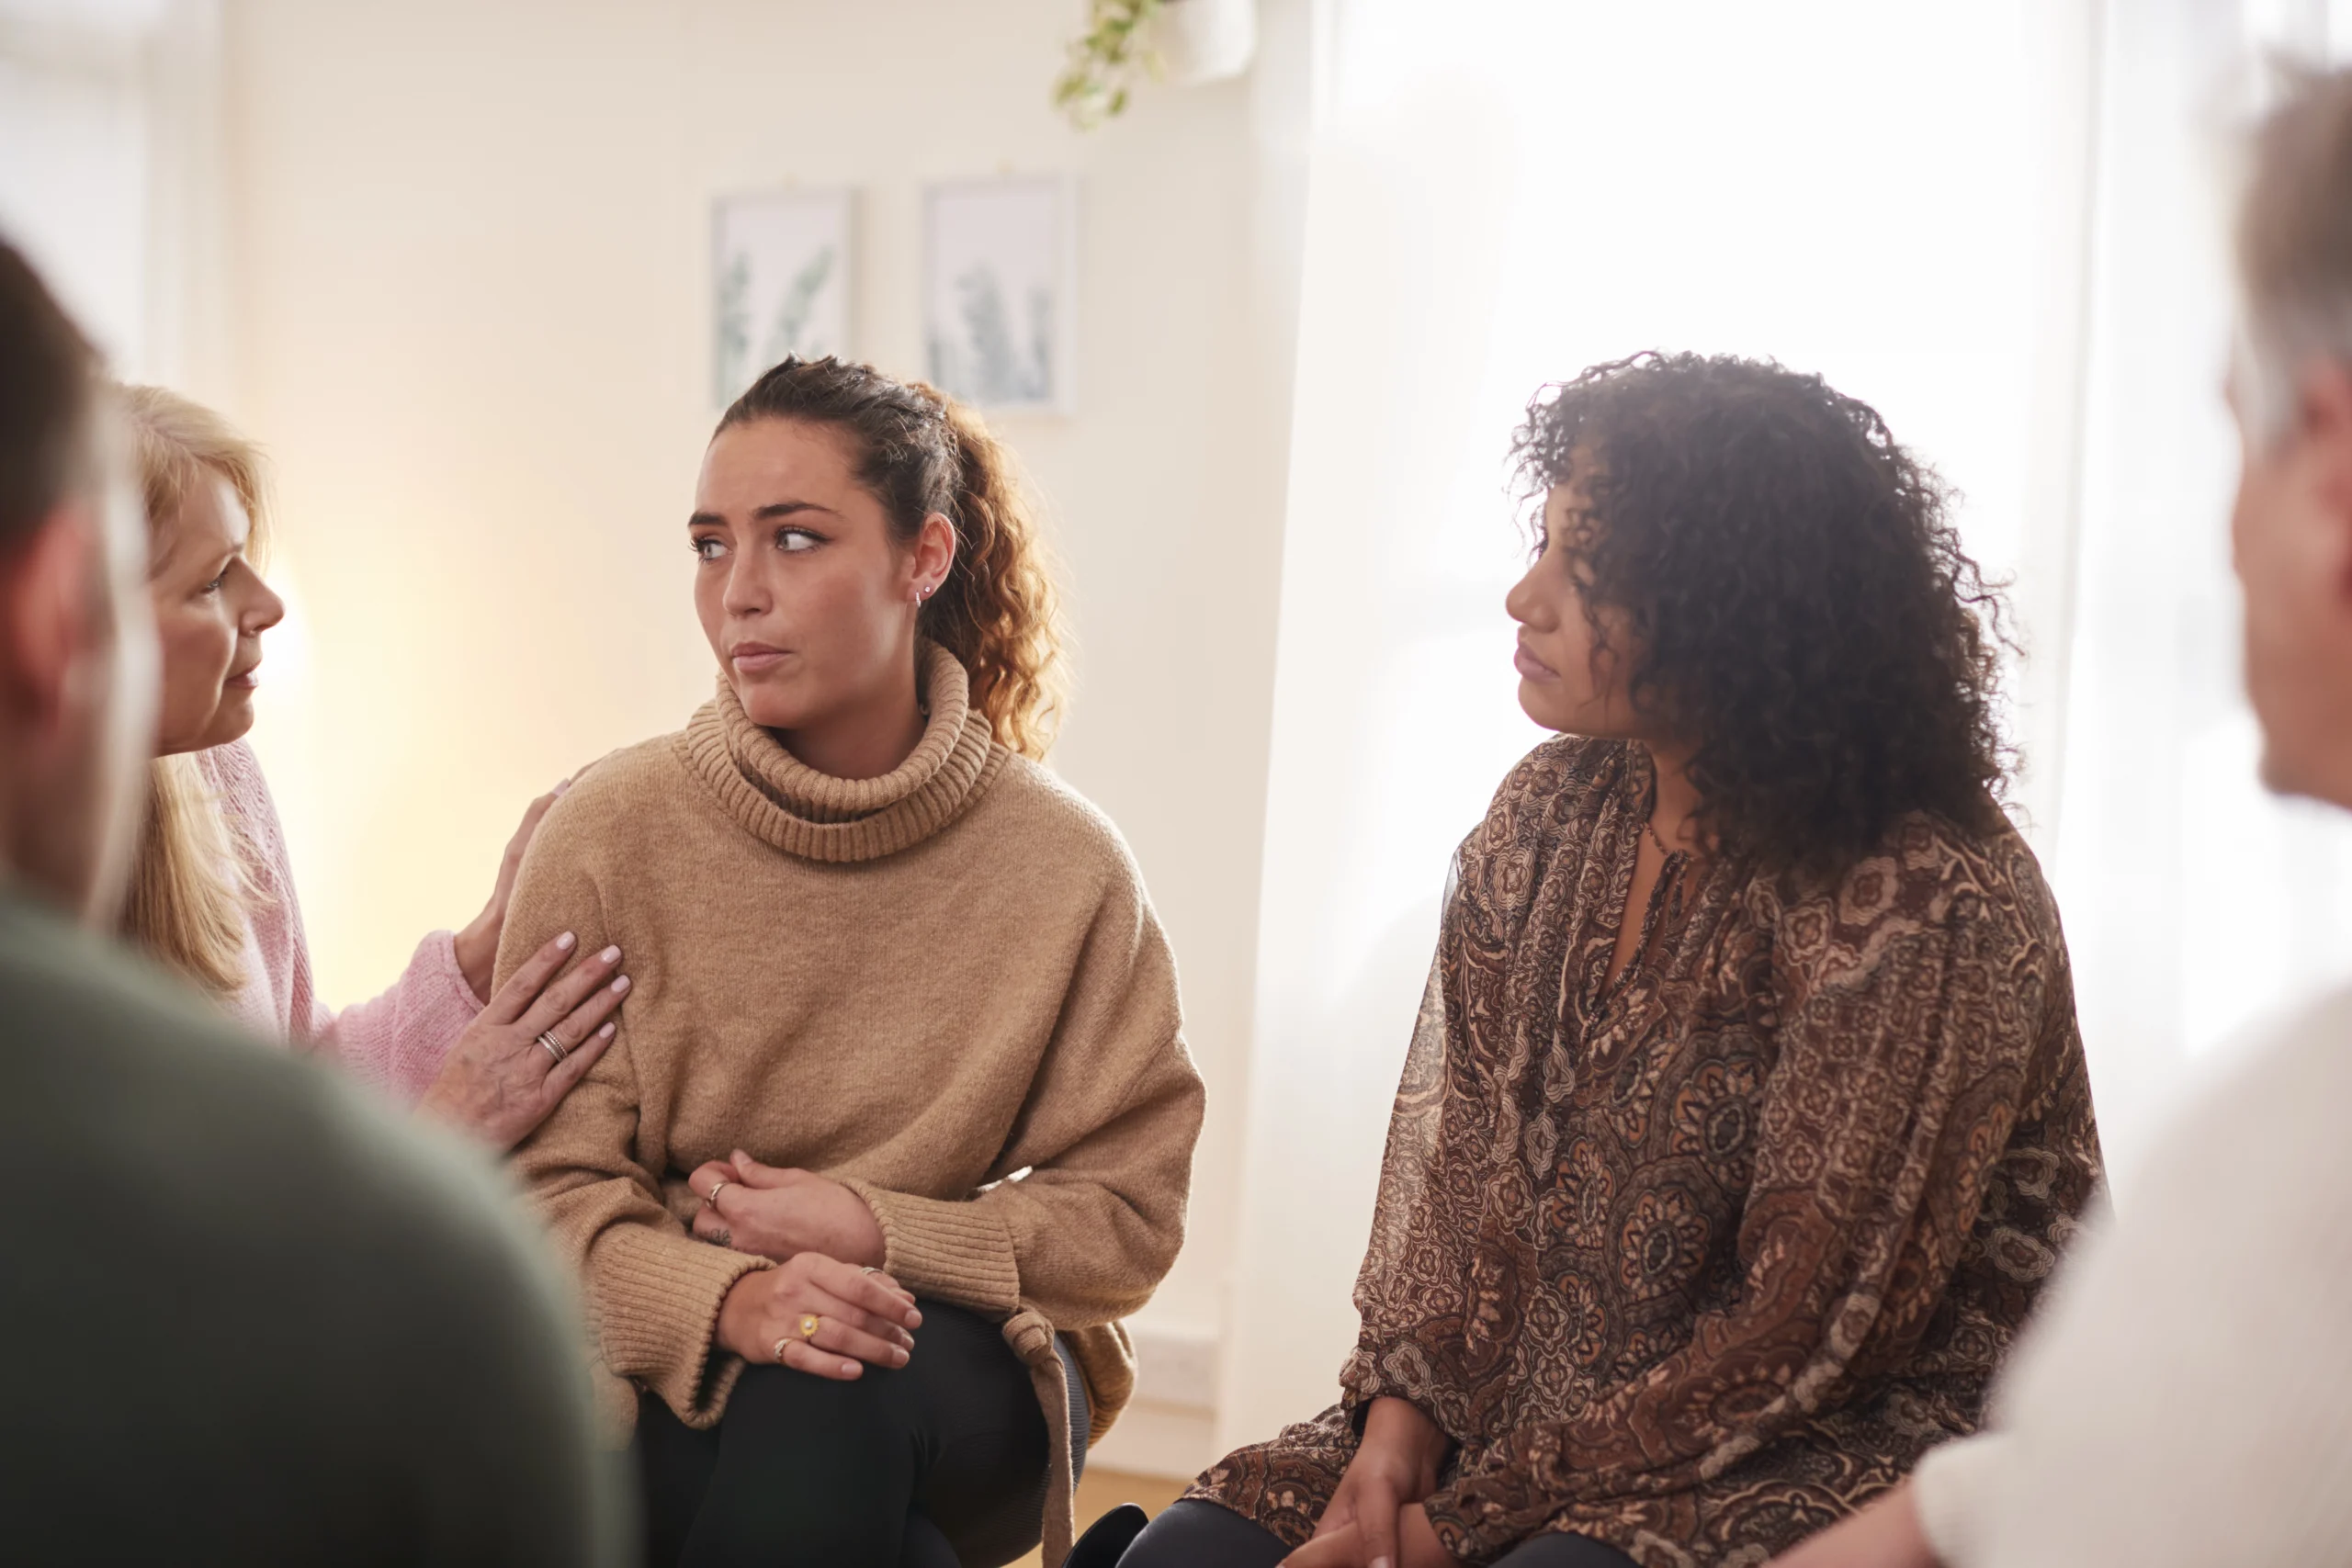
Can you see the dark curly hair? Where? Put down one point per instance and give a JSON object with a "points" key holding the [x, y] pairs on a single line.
{"points": [[1802, 606]]}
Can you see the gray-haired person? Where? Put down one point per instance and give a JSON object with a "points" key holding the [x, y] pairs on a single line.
{"points": [[2187, 1400]]}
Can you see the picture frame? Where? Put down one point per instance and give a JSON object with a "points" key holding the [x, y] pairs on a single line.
{"points": [[999, 292], [783, 262]]}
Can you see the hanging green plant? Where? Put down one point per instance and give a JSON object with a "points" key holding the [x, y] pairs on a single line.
{"points": [[1107, 60]]}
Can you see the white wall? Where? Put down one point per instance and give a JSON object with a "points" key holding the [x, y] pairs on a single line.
{"points": [[109, 147], [469, 309]]}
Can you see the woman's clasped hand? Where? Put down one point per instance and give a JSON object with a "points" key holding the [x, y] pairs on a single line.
{"points": [[1374, 1519], [819, 1314], [771, 1212], [828, 1306]]}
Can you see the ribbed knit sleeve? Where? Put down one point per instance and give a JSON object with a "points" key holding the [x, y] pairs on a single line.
{"points": [[399, 1039], [959, 1252], [655, 1291], [658, 1292], [1091, 1223]]}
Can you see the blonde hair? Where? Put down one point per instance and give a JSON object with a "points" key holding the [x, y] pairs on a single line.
{"points": [[188, 895], [921, 452], [179, 443]]}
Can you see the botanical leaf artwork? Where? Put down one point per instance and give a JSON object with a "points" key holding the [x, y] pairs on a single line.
{"points": [[984, 359], [789, 333], [781, 267], [997, 326], [732, 329]]}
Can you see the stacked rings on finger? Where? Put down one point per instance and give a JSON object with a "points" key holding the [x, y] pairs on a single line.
{"points": [[554, 1046]]}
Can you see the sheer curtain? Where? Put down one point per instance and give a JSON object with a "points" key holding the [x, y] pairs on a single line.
{"points": [[1997, 222], [109, 174], [2195, 902]]}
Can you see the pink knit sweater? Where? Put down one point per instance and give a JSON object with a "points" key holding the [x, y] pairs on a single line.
{"points": [[396, 1042]]}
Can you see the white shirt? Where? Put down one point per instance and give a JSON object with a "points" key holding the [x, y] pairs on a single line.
{"points": [[2185, 1399]]}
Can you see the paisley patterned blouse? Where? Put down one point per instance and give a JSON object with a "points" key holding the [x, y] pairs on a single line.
{"points": [[1696, 1260]]}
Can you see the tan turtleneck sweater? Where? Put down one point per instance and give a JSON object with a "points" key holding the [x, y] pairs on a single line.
{"points": [[944, 987]]}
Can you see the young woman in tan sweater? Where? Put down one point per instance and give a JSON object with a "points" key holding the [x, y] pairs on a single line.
{"points": [[899, 1120]]}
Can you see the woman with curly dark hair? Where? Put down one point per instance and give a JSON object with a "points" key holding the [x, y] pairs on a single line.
{"points": [[1747, 1111]]}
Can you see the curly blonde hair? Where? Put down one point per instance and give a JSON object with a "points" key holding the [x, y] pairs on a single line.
{"points": [[919, 453]]}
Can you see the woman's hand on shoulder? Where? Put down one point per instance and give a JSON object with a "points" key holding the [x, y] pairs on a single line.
{"points": [[1396, 1466], [501, 1079], [476, 944], [772, 1212], [819, 1315], [1886, 1534]]}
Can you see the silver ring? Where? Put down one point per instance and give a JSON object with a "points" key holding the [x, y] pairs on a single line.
{"points": [[716, 1188], [554, 1046]]}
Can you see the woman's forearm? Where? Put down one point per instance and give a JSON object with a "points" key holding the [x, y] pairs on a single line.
{"points": [[1401, 1426]]}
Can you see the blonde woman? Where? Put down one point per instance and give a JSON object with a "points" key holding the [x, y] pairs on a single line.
{"points": [[899, 1124], [214, 892]]}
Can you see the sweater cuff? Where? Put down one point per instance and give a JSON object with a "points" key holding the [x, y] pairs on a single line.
{"points": [[1364, 1377], [1950, 1488], [430, 1006], [959, 1253], [657, 1308]]}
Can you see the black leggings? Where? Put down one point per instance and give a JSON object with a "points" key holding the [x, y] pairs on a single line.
{"points": [[883, 1473], [1202, 1535]]}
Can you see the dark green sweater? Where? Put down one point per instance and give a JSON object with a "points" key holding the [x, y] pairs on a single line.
{"points": [[250, 1318]]}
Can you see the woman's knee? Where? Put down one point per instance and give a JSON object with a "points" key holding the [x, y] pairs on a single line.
{"points": [[843, 1418], [1196, 1534], [1564, 1552]]}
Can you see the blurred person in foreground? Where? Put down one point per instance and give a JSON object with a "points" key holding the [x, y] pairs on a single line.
{"points": [[1746, 1108], [212, 891], [253, 1321], [2187, 1400]]}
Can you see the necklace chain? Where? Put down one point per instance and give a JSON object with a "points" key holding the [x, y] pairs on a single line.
{"points": [[1674, 893], [1650, 827]]}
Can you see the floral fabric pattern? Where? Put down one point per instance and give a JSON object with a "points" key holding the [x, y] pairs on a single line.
{"points": [[1696, 1259]]}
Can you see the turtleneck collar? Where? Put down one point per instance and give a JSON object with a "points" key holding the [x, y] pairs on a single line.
{"points": [[818, 817]]}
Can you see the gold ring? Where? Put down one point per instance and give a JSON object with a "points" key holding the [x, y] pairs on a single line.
{"points": [[779, 1349], [809, 1324], [716, 1188]]}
